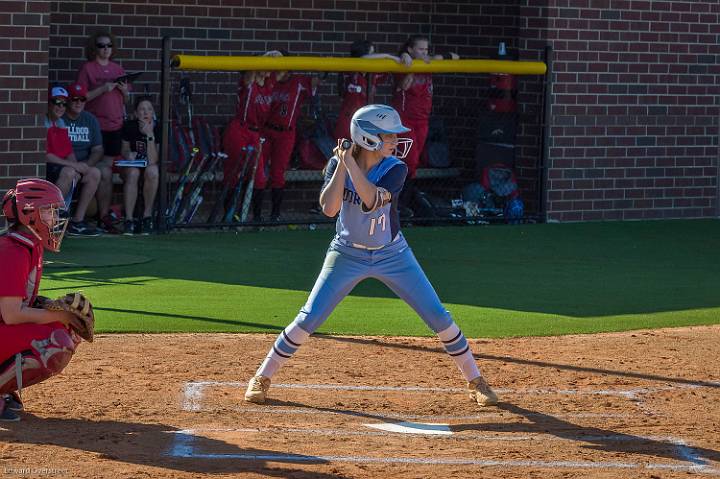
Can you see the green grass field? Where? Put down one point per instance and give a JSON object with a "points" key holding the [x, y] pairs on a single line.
{"points": [[496, 281]]}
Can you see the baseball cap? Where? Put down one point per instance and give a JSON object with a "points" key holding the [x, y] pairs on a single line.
{"points": [[77, 90], [57, 92]]}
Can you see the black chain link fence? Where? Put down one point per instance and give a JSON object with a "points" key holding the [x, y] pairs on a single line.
{"points": [[480, 163]]}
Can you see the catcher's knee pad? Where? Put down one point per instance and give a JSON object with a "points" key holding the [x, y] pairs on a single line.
{"points": [[43, 358]]}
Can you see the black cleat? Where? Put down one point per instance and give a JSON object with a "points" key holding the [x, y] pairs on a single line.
{"points": [[13, 402]]}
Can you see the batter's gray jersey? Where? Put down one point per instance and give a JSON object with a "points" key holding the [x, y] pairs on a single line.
{"points": [[377, 228]]}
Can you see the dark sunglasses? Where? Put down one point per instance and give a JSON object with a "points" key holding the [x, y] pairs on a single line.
{"points": [[61, 103], [81, 99], [104, 45]]}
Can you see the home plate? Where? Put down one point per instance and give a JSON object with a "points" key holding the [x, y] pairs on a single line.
{"points": [[413, 428]]}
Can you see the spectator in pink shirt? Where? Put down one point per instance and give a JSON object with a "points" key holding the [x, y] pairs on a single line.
{"points": [[106, 100]]}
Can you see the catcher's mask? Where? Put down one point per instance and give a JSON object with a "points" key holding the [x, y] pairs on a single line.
{"points": [[36, 204], [369, 122]]}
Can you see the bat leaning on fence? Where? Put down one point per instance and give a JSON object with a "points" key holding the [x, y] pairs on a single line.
{"points": [[196, 198], [251, 184], [237, 192], [174, 206], [191, 181], [192, 197]]}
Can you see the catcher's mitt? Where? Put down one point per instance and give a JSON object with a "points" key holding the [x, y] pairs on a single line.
{"points": [[83, 321]]}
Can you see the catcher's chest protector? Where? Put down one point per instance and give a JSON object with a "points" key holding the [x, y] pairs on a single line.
{"points": [[36, 264]]}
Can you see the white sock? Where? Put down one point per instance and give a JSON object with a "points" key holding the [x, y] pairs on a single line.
{"points": [[457, 347], [285, 346]]}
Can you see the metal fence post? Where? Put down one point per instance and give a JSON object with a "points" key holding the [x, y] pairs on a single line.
{"points": [[545, 152], [165, 147]]}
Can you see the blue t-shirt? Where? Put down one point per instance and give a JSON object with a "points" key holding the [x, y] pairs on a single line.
{"points": [[84, 133], [379, 227]]}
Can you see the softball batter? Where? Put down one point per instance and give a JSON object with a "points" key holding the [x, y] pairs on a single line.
{"points": [[363, 183]]}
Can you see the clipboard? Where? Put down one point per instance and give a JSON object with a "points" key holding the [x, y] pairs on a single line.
{"points": [[128, 77], [131, 163]]}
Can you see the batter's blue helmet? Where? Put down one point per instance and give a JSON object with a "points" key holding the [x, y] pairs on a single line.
{"points": [[369, 122]]}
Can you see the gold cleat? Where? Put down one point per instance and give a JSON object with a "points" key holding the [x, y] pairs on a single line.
{"points": [[479, 391], [257, 389]]}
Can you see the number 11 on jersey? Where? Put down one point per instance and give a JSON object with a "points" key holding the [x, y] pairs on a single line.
{"points": [[379, 221]]}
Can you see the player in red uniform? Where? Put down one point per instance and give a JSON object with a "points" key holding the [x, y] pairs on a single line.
{"points": [[413, 100], [34, 343], [289, 93], [353, 87], [254, 97]]}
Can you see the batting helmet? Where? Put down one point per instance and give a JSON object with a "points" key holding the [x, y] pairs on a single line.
{"points": [[36, 204], [373, 120]]}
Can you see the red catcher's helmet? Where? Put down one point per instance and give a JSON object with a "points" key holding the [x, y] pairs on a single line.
{"points": [[36, 204]]}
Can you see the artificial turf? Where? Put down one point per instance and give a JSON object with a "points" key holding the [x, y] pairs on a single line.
{"points": [[497, 281]]}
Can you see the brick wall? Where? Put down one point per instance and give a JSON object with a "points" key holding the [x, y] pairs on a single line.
{"points": [[23, 89], [635, 116], [313, 27], [635, 112]]}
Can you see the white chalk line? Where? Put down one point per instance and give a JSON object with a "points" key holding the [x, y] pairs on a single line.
{"points": [[183, 448], [392, 415], [194, 390], [508, 437]]}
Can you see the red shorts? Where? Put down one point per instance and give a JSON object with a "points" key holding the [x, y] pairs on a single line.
{"points": [[16, 338]]}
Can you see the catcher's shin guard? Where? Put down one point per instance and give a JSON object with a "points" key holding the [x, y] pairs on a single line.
{"points": [[43, 358]]}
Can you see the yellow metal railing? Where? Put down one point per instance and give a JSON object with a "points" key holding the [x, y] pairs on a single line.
{"points": [[344, 64]]}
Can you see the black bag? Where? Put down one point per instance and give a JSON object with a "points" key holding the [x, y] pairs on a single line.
{"points": [[489, 154], [428, 206], [494, 127]]}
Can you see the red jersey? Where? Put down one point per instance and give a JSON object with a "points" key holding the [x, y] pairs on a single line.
{"points": [[254, 103], [109, 107], [21, 256], [287, 98], [355, 90], [57, 139], [416, 101]]}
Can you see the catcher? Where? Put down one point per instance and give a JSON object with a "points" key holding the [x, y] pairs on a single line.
{"points": [[38, 336]]}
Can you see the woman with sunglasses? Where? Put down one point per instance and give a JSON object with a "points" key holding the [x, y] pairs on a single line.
{"points": [[106, 98], [86, 138], [63, 168]]}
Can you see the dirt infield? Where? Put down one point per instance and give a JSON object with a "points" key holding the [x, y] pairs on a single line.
{"points": [[639, 404]]}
